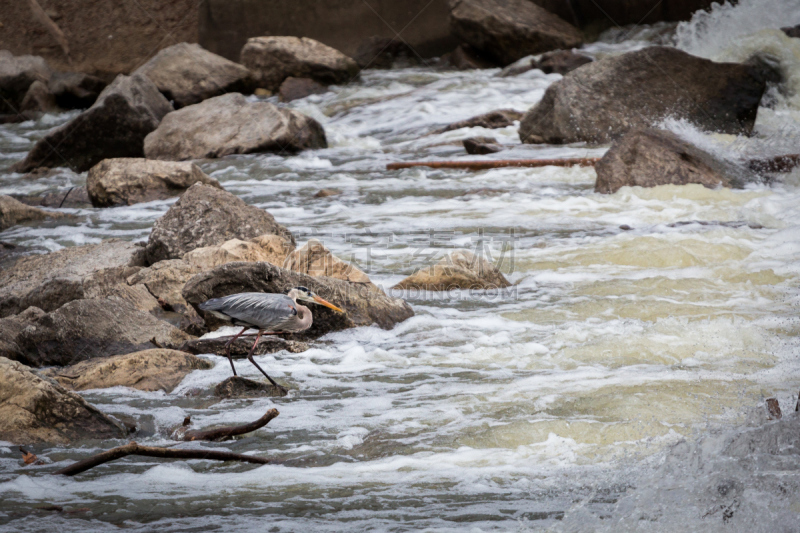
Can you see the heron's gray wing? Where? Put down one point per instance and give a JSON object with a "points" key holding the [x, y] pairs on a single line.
{"points": [[262, 310]]}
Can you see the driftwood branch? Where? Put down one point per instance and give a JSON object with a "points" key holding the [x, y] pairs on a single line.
{"points": [[483, 165], [151, 451], [227, 432], [51, 26]]}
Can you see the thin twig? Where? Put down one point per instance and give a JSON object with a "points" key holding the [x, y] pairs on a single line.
{"points": [[228, 432], [483, 165]]}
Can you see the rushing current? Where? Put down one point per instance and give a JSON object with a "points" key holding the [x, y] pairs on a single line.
{"points": [[617, 386]]}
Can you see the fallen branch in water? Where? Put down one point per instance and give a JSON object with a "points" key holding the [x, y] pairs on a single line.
{"points": [[151, 451], [483, 165], [226, 432]]}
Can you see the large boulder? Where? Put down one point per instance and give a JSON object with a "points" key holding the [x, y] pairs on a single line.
{"points": [[459, 270], [128, 181], [229, 124], [273, 59], [207, 216], [364, 305], [148, 370], [115, 126], [49, 281], [75, 90], [602, 100], [315, 259], [85, 329], [509, 30], [501, 118], [13, 212], [270, 248], [36, 410], [17, 73], [188, 74], [650, 157]]}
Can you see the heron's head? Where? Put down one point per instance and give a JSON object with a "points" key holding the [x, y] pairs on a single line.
{"points": [[302, 294]]}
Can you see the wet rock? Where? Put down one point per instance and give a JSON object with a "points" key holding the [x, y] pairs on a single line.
{"points": [[481, 145], [464, 57], [502, 118], [188, 74], [229, 124], [72, 198], [50, 280], [325, 193], [148, 370], [603, 100], [129, 181], [115, 126], [315, 259], [384, 53], [165, 280], [273, 59], [75, 90], [556, 62], [297, 88], [13, 212], [10, 329], [270, 248], [17, 73], [792, 31], [459, 270], [650, 157], [39, 99], [110, 284], [242, 346], [206, 216], [34, 410], [508, 30], [85, 329], [239, 387], [364, 305]]}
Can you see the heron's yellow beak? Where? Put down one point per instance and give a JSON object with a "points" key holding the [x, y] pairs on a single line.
{"points": [[326, 303]]}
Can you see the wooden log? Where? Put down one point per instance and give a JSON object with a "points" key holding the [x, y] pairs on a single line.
{"points": [[484, 165], [774, 409], [151, 451], [228, 432]]}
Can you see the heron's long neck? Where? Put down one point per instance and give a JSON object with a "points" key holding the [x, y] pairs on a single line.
{"points": [[304, 316]]}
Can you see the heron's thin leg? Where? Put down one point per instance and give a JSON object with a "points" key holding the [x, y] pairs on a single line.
{"points": [[250, 358], [228, 348]]}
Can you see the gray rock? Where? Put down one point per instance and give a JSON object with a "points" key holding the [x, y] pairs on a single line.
{"points": [[458, 270], [273, 59], [384, 53], [365, 305], [229, 124], [13, 212], [297, 88], [10, 329], [502, 118], [188, 74], [464, 57], [85, 329], [650, 157], [556, 62], [36, 410], [128, 181], [49, 281], [602, 100], [481, 145], [75, 90], [241, 347], [792, 31], [239, 387], [508, 30], [207, 216], [39, 99], [115, 126], [17, 73]]}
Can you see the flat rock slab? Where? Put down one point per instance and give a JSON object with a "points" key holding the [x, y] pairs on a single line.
{"points": [[239, 387], [241, 347]]}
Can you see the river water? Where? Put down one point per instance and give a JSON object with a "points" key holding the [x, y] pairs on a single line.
{"points": [[642, 335]]}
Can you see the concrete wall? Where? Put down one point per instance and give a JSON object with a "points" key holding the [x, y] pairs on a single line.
{"points": [[225, 25]]}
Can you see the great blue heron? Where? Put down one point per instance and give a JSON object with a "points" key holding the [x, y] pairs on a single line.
{"points": [[266, 312]]}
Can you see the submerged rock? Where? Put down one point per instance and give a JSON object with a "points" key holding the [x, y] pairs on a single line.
{"points": [[242, 346], [148, 370], [459, 270], [129, 181], [297, 88], [85, 329], [17, 74], [273, 59], [650, 157], [188, 74], [13, 212], [239, 387], [602, 100], [270, 248], [115, 126], [49, 281], [206, 216], [502, 118], [35, 410], [229, 124], [315, 259], [482, 145], [509, 30], [364, 304]]}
